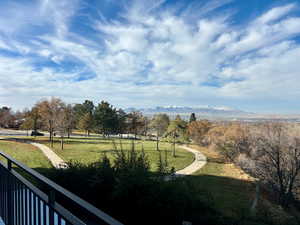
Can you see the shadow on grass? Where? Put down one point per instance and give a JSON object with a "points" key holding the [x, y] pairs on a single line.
{"points": [[227, 200], [201, 199], [103, 138], [204, 199]]}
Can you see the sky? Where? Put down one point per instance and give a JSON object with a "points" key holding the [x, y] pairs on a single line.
{"points": [[243, 54]]}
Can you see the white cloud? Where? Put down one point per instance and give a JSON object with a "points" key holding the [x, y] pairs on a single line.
{"points": [[275, 13], [59, 13], [154, 56]]}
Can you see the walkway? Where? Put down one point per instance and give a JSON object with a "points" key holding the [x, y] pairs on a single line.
{"points": [[199, 162], [55, 160]]}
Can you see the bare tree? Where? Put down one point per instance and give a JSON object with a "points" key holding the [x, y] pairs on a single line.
{"points": [[62, 122], [6, 117], [70, 119], [277, 159], [160, 124]]}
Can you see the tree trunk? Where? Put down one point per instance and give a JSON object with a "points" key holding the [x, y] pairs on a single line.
{"points": [[50, 134], [157, 140], [62, 142], [51, 138], [50, 131], [174, 155]]}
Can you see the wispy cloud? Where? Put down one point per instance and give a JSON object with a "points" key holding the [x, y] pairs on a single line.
{"points": [[276, 13], [152, 52]]}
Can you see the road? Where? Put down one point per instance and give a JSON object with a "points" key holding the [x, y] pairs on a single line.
{"points": [[6, 132]]}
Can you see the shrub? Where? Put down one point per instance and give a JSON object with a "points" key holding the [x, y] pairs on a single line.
{"points": [[130, 192]]}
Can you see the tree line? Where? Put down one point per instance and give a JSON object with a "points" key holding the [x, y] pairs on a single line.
{"points": [[268, 151], [60, 119]]}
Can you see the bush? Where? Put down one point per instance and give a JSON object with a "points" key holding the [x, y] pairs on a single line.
{"points": [[130, 192]]}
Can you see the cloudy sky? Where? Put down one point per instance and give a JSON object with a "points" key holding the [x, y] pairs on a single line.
{"points": [[143, 53]]}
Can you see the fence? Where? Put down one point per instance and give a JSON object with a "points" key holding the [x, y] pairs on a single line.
{"points": [[23, 203]]}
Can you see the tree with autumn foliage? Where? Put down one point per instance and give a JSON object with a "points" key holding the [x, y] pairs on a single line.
{"points": [[50, 113], [31, 120], [86, 123], [135, 123], [198, 130]]}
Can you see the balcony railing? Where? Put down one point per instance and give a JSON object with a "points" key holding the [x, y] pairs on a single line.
{"points": [[22, 202]]}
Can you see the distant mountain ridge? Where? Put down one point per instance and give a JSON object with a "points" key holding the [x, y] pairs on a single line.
{"points": [[203, 110]]}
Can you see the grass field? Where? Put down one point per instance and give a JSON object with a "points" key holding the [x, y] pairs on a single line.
{"points": [[25, 153], [89, 150]]}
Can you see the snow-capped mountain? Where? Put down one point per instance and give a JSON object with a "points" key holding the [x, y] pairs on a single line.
{"points": [[201, 110]]}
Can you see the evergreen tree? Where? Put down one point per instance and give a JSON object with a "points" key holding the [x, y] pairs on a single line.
{"points": [[121, 115], [81, 110], [106, 118], [193, 117]]}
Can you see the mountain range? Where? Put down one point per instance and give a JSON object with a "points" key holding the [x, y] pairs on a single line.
{"points": [[200, 111]]}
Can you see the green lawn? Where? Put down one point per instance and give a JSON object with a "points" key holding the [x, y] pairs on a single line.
{"points": [[89, 150], [25, 153]]}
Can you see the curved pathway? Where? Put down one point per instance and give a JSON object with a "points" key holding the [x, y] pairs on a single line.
{"points": [[55, 160], [199, 162]]}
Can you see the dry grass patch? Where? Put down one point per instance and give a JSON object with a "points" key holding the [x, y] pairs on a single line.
{"points": [[228, 169]]}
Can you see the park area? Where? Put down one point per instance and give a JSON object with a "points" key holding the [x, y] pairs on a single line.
{"points": [[27, 154], [91, 149], [227, 189]]}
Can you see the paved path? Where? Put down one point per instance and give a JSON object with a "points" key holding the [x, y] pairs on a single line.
{"points": [[199, 162], [55, 160]]}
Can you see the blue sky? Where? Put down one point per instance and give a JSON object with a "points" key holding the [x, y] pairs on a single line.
{"points": [[143, 53]]}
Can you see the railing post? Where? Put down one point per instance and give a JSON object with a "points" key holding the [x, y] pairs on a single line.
{"points": [[10, 200], [51, 203], [17, 208], [9, 165]]}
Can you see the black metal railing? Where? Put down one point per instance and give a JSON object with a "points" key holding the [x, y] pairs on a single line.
{"points": [[21, 202]]}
